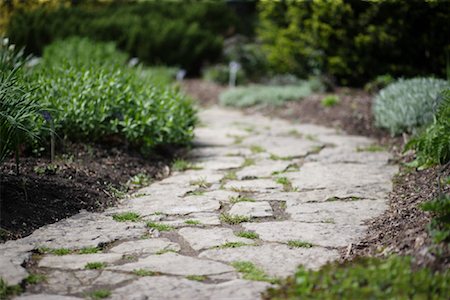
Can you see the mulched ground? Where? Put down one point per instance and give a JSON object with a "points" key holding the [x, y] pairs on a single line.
{"points": [[402, 229], [84, 177]]}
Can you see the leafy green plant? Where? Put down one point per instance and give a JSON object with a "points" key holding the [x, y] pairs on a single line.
{"points": [[139, 180], [183, 165], [251, 272], [143, 272], [233, 245], [432, 145], [299, 244], [35, 279], [379, 83], [439, 227], [408, 104], [127, 217], [330, 101], [221, 74], [197, 277], [240, 198], [7, 291], [89, 250], [266, 95], [192, 222], [370, 148], [99, 294], [366, 278]]}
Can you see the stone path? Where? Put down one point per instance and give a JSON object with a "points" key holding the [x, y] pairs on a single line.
{"points": [[263, 196]]}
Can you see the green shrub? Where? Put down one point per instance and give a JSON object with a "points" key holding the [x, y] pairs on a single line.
{"points": [[329, 101], [266, 95], [378, 83], [407, 104], [221, 74], [94, 103], [439, 227], [354, 41], [177, 33], [432, 145], [368, 278]]}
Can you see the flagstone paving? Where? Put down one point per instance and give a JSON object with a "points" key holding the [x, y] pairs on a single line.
{"points": [[262, 191]]}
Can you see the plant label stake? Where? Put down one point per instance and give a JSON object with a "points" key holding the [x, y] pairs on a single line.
{"points": [[180, 74], [49, 119], [234, 68]]}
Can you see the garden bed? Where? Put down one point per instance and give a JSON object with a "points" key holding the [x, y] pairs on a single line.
{"points": [[90, 177]]}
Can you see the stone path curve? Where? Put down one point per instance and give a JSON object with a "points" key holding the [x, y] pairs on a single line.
{"points": [[264, 196]]}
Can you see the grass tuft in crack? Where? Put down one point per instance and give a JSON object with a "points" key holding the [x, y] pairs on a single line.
{"points": [[233, 219], [192, 222], [95, 266], [287, 184], [127, 217], [251, 272], [248, 235], [196, 277], [256, 149], [233, 245], [100, 294], [159, 226], [35, 279], [240, 198], [299, 244], [143, 272], [183, 165]]}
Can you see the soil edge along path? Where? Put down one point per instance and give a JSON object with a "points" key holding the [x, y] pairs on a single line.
{"points": [[259, 197]]}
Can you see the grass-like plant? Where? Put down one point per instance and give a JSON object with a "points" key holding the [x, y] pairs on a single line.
{"points": [[160, 226], [233, 245], [35, 279], [252, 272], [408, 104], [95, 266], [236, 199], [196, 277], [99, 294], [192, 222], [143, 272], [89, 250], [299, 244], [8, 291], [330, 101], [183, 165], [247, 234], [367, 278], [287, 184], [127, 217], [439, 226], [233, 219]]}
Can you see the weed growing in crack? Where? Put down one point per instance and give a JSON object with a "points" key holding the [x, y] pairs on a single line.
{"points": [[198, 192], [139, 180], [127, 217], [183, 165], [99, 294], [240, 190], [248, 162], [349, 198], [238, 139], [233, 219], [370, 148], [231, 175], [311, 137], [236, 199], [95, 266], [256, 149], [247, 234], [35, 279], [251, 272], [192, 222], [58, 251], [299, 244], [294, 133], [287, 184], [160, 226], [196, 277], [160, 252], [143, 272], [89, 250], [233, 245], [276, 157], [201, 183]]}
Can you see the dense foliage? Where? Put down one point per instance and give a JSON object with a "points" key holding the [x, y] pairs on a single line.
{"points": [[177, 33], [439, 226], [93, 98], [268, 95], [368, 278], [408, 104], [432, 145], [355, 41]]}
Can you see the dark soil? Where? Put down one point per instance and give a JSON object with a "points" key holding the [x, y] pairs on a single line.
{"points": [[90, 177], [402, 229]]}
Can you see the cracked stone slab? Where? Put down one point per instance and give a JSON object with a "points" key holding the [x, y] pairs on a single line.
{"points": [[315, 175], [77, 261], [187, 177], [179, 206], [253, 185], [320, 234], [176, 264], [12, 272], [220, 195], [203, 152], [163, 287], [66, 282], [346, 155], [274, 259], [210, 137], [147, 246], [264, 168], [200, 238], [252, 209], [202, 218], [84, 230], [339, 212], [284, 146], [220, 163], [352, 141]]}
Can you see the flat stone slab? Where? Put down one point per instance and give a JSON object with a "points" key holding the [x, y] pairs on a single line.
{"points": [[253, 185], [200, 238], [46, 297], [176, 264], [320, 234], [264, 168], [346, 155], [252, 209], [220, 162], [352, 212], [163, 287], [147, 246], [274, 259], [201, 218], [77, 261], [13, 273]]}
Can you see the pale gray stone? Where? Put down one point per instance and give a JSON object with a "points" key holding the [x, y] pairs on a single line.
{"points": [[252, 209], [176, 264], [46, 297], [264, 168], [283, 146], [200, 238], [349, 155], [321, 234], [112, 278], [163, 287], [203, 152], [203, 218], [147, 246], [274, 259], [66, 282], [12, 272], [77, 261], [253, 185], [220, 163], [339, 212], [220, 195]]}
